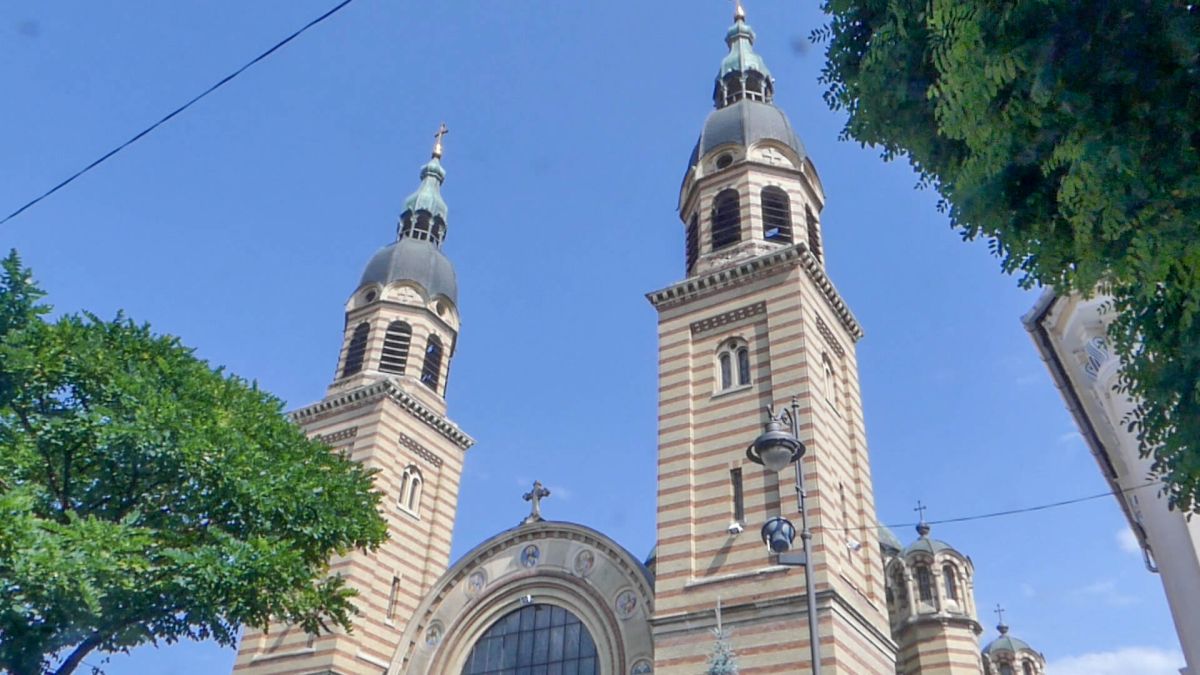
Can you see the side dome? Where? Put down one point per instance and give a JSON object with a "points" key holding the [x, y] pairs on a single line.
{"points": [[745, 123], [417, 260]]}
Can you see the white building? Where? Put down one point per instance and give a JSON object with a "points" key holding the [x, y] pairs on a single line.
{"points": [[1070, 332]]}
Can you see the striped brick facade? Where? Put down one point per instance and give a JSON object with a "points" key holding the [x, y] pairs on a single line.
{"points": [[396, 424]]}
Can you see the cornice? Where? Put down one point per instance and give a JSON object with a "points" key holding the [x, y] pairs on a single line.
{"points": [[757, 268], [376, 391]]}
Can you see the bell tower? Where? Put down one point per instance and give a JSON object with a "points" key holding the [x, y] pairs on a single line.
{"points": [[386, 408], [756, 322]]}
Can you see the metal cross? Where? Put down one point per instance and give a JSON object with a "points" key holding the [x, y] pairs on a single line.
{"points": [[999, 613], [535, 497], [921, 510], [437, 146]]}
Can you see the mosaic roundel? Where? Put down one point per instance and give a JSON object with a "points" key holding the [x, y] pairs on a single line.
{"points": [[476, 582], [626, 603], [530, 556], [585, 560], [433, 634], [642, 667]]}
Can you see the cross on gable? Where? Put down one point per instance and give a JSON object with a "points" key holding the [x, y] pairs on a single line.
{"points": [[535, 497]]}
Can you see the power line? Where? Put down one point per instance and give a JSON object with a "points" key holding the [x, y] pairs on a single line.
{"points": [[178, 110], [997, 514]]}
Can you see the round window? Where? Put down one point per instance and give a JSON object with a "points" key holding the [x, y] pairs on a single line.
{"points": [[724, 160], [370, 296]]}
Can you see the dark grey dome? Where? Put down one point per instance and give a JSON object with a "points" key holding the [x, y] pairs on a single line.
{"points": [[745, 123], [416, 260]]}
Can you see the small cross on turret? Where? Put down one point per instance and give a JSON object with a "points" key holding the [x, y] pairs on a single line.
{"points": [[535, 497], [999, 611], [437, 144], [922, 526]]}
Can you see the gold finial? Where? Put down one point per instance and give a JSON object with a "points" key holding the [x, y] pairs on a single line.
{"points": [[739, 12], [437, 145]]}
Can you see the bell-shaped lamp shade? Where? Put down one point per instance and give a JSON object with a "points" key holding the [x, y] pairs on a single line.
{"points": [[775, 448]]}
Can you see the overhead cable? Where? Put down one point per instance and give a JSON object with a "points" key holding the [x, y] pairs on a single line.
{"points": [[176, 111]]}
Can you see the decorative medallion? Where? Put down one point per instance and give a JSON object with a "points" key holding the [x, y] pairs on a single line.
{"points": [[530, 556], [626, 603], [585, 560], [476, 582], [642, 667], [433, 635]]}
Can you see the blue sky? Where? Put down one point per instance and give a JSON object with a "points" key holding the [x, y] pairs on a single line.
{"points": [[243, 225]]}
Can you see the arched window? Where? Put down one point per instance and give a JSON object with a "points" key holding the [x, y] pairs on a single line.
{"points": [[357, 351], [395, 347], [693, 242], [1006, 669], [814, 233], [733, 364], [1027, 667], [832, 391], [950, 577], [924, 584], [433, 363], [411, 483], [535, 638], [726, 219], [777, 215], [901, 585]]}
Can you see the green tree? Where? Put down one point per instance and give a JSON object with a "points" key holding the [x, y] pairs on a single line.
{"points": [[723, 660], [1067, 134], [147, 497]]}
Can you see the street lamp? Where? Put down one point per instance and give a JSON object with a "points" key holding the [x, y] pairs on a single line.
{"points": [[775, 448]]}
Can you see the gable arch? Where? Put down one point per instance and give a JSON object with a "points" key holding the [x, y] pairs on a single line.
{"points": [[574, 567]]}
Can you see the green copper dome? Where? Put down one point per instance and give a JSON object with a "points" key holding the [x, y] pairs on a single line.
{"points": [[743, 73], [428, 197]]}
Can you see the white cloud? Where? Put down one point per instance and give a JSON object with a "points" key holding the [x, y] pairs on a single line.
{"points": [[1108, 592], [1028, 590], [1127, 541], [1140, 660], [1070, 438]]}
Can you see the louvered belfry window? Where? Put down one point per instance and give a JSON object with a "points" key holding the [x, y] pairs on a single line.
{"points": [[814, 235], [395, 347], [726, 219], [433, 363], [357, 350], [693, 242], [777, 215]]}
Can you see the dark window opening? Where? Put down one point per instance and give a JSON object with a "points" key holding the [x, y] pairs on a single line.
{"points": [[743, 358], [951, 582], [1006, 669], [392, 598], [1027, 667], [534, 639], [726, 371], [424, 226], [724, 161], [357, 350], [924, 584], [395, 347], [433, 363], [777, 215], [739, 507], [693, 242], [726, 219], [814, 235]]}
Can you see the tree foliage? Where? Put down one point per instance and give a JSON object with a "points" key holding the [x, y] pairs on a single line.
{"points": [[1067, 134], [146, 497], [723, 660]]}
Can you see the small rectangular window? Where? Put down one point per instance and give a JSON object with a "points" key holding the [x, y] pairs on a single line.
{"points": [[393, 598], [739, 507]]}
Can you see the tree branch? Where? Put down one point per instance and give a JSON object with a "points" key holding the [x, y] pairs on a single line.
{"points": [[72, 662]]}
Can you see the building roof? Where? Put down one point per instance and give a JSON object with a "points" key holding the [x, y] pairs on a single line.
{"points": [[745, 123], [1007, 643], [417, 260]]}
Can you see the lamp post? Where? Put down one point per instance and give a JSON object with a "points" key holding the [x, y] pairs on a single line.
{"points": [[775, 448]]}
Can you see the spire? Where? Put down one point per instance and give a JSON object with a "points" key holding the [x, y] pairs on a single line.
{"points": [[425, 212], [743, 72]]}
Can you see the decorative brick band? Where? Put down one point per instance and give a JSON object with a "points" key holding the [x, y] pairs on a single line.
{"points": [[826, 333], [373, 392], [420, 450], [338, 436], [714, 322]]}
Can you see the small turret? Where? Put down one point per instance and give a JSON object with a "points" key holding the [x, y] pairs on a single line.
{"points": [[1008, 655]]}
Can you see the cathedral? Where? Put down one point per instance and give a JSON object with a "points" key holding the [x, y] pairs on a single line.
{"points": [[756, 326]]}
